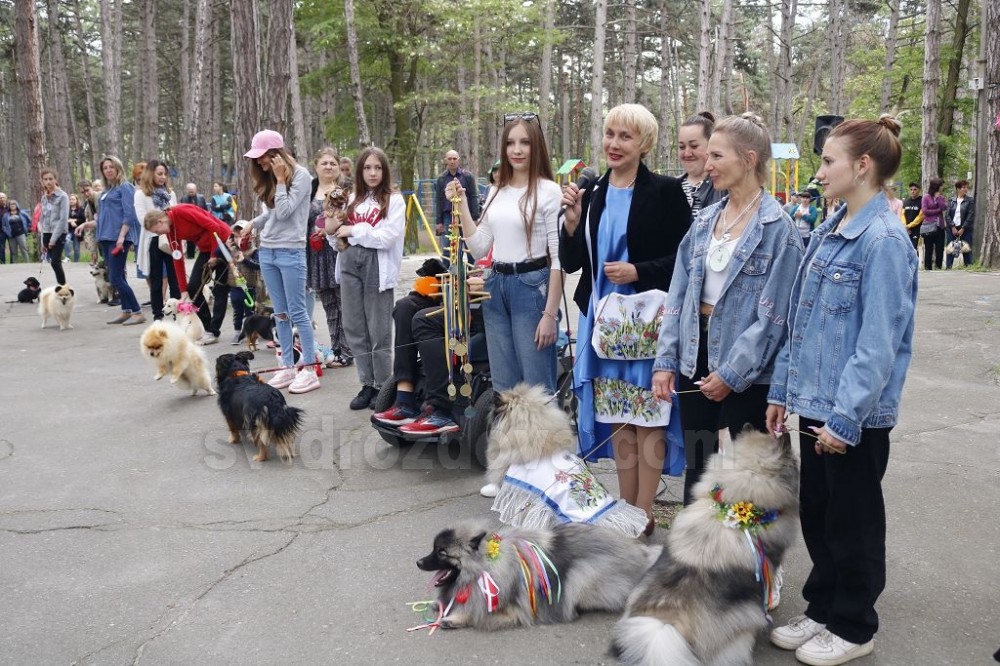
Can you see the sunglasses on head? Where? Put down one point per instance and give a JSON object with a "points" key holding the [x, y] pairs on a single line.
{"points": [[525, 115]]}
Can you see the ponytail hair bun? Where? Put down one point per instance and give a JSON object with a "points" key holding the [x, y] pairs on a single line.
{"points": [[890, 123]]}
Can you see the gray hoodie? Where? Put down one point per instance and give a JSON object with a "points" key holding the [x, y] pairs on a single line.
{"points": [[55, 214], [286, 224]]}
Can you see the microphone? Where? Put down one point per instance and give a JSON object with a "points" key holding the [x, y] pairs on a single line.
{"points": [[587, 176]]}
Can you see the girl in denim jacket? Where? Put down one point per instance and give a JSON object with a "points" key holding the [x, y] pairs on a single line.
{"points": [[728, 301], [842, 370]]}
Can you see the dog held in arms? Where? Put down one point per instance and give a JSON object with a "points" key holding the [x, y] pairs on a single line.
{"points": [[531, 457], [170, 350], [251, 406], [702, 602], [513, 576], [57, 303]]}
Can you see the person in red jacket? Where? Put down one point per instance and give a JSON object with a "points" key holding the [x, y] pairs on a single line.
{"points": [[187, 222]]}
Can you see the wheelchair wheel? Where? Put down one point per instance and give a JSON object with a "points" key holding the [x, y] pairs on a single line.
{"points": [[477, 428], [384, 400]]}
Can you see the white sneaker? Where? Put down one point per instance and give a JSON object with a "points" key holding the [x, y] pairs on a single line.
{"points": [[283, 379], [304, 382], [826, 649], [774, 592], [799, 631], [208, 339], [489, 490]]}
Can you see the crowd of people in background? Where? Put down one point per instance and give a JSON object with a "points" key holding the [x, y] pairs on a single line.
{"points": [[741, 278]]}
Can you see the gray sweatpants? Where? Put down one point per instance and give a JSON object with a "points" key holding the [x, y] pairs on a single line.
{"points": [[367, 315]]}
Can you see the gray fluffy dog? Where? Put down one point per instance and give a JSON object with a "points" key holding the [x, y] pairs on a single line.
{"points": [[487, 579], [701, 602]]}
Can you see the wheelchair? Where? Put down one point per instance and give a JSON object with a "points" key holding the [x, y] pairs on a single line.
{"points": [[473, 414]]}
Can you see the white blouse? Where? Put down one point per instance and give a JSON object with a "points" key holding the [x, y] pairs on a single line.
{"points": [[503, 229]]}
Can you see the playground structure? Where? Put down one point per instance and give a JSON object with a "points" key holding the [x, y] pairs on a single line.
{"points": [[788, 153]]}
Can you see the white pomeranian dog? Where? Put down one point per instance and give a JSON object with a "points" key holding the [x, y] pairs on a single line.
{"points": [[173, 354], [184, 312], [57, 303]]}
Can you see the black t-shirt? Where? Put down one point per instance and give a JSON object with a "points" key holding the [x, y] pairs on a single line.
{"points": [[911, 208]]}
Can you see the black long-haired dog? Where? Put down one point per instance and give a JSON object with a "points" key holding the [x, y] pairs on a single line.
{"points": [[32, 288], [251, 406]]}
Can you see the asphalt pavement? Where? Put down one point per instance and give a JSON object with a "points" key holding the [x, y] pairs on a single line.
{"points": [[131, 532]]}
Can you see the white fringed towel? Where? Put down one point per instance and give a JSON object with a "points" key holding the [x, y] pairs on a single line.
{"points": [[562, 489]]}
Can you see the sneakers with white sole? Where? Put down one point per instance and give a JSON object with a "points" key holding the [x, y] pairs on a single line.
{"points": [[799, 631], [304, 382], [208, 339], [489, 490], [283, 379], [826, 649]]}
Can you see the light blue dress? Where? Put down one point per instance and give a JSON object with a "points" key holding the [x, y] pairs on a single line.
{"points": [[612, 391]]}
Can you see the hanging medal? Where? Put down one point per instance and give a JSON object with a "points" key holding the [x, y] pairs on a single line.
{"points": [[719, 256]]}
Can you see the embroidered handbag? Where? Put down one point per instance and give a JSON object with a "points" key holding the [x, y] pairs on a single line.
{"points": [[627, 327]]}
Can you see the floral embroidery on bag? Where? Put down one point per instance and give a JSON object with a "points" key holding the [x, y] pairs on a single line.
{"points": [[616, 397], [629, 334]]}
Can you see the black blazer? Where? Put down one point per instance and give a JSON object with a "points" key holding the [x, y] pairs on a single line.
{"points": [[968, 214], [657, 221]]}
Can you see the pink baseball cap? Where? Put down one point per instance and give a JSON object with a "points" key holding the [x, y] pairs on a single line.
{"points": [[264, 141]]}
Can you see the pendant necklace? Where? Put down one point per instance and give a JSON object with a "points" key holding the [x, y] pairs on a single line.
{"points": [[719, 257]]}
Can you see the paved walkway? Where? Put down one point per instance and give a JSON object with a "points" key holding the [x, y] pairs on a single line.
{"points": [[130, 532]]}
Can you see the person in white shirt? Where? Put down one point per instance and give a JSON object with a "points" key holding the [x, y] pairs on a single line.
{"points": [[961, 217], [519, 223]]}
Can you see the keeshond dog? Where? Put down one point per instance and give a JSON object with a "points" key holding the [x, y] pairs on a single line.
{"points": [[528, 425], [701, 603], [497, 579], [532, 457]]}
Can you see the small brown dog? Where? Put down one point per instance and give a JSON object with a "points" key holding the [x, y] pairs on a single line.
{"points": [[335, 202]]}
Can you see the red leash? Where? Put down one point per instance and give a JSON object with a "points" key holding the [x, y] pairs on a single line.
{"points": [[318, 364]]}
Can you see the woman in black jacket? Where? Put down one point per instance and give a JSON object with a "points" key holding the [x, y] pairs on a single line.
{"points": [[628, 224]]}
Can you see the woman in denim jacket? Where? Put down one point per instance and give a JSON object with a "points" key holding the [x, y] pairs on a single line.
{"points": [[842, 370], [728, 302], [117, 233]]}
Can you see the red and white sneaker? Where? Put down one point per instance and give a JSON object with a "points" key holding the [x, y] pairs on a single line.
{"points": [[283, 379], [397, 415], [304, 382], [432, 424]]}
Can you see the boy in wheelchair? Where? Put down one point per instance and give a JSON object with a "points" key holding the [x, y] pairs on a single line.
{"points": [[420, 351]]}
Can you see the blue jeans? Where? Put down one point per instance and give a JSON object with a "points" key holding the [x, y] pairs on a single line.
{"points": [[284, 273], [510, 316], [116, 275]]}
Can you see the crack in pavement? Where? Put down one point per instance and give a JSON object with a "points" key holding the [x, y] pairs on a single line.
{"points": [[96, 528], [190, 605], [6, 449]]}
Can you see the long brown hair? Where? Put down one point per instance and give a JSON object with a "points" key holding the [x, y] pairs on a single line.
{"points": [[879, 139], [539, 166], [264, 182], [380, 192], [117, 164], [146, 181]]}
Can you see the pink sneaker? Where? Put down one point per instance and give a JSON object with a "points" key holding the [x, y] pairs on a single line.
{"points": [[304, 382], [283, 379]]}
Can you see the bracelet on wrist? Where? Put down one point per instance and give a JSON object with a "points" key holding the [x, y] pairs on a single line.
{"points": [[549, 314]]}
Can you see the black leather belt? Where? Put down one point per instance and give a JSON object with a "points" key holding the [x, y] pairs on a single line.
{"points": [[522, 267]]}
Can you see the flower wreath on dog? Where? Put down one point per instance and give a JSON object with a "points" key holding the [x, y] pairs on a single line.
{"points": [[751, 520]]}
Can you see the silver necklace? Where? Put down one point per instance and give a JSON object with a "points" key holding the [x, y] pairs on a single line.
{"points": [[719, 257]]}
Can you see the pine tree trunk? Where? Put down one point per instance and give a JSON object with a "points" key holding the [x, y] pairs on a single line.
{"points": [[59, 108], [946, 115], [30, 91], [148, 144], [990, 225], [477, 81], [890, 55], [836, 36], [705, 55], [664, 140], [785, 92], [295, 98], [246, 84], [214, 126], [597, 83], [364, 136], [280, 40], [464, 136], [725, 94], [111, 57], [93, 146], [545, 76], [631, 53], [932, 83]]}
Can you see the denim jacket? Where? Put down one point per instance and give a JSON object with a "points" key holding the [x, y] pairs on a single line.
{"points": [[747, 326], [851, 324], [117, 209]]}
